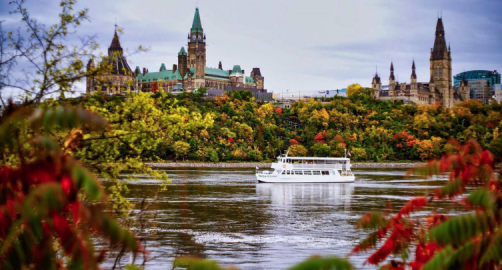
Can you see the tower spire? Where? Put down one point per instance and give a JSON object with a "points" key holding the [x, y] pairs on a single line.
{"points": [[392, 78], [115, 47], [413, 74], [439, 41], [196, 25]]}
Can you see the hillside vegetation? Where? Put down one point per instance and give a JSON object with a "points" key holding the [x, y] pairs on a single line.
{"points": [[235, 127]]}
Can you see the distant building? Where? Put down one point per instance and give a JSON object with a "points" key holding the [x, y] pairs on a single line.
{"points": [[192, 72], [497, 92], [259, 94], [438, 89], [492, 77], [480, 83], [480, 90], [120, 76], [189, 73]]}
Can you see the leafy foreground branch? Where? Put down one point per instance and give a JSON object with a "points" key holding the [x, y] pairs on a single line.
{"points": [[51, 206], [468, 241]]}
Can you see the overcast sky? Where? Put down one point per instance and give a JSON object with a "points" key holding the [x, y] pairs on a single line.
{"points": [[299, 45]]}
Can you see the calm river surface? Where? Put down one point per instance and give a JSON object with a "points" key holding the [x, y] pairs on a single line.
{"points": [[224, 214]]}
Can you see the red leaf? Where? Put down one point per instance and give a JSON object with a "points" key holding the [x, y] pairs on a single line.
{"points": [[382, 252], [66, 183], [487, 158], [63, 230], [413, 205]]}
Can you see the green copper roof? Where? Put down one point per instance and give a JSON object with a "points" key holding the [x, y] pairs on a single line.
{"points": [[137, 69], [162, 67], [177, 75], [196, 25], [216, 72], [237, 70], [250, 80], [182, 51], [161, 75], [217, 78]]}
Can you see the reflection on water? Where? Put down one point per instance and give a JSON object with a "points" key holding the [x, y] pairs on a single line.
{"points": [[308, 193], [227, 216]]}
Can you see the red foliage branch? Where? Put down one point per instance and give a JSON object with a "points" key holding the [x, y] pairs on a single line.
{"points": [[470, 167], [42, 198]]}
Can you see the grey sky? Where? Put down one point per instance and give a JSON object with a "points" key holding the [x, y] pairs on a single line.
{"points": [[299, 45]]}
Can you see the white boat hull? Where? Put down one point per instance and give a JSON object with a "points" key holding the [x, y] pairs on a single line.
{"points": [[272, 178]]}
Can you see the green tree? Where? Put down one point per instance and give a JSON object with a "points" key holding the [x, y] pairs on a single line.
{"points": [[321, 150]]}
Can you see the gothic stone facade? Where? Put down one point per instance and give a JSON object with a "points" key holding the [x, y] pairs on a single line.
{"points": [[191, 71], [439, 89], [119, 76]]}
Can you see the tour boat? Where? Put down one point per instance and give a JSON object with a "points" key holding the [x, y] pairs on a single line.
{"points": [[307, 170]]}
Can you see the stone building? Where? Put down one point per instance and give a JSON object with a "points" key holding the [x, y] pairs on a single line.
{"points": [[119, 76], [192, 72], [439, 89]]}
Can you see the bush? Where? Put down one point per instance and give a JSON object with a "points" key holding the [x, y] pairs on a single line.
{"points": [[358, 154], [214, 157]]}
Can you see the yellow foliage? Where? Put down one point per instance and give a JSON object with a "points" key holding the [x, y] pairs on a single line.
{"points": [[239, 153], [353, 88], [425, 149], [297, 150]]}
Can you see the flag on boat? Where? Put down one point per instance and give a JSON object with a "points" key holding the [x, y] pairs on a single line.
{"points": [[349, 154], [257, 168]]}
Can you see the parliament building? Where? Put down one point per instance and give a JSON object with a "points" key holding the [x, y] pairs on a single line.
{"points": [[439, 89], [189, 73]]}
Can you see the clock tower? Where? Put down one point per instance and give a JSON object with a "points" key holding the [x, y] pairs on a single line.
{"points": [[197, 50]]}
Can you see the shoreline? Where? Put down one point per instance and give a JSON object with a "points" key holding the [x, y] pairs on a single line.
{"points": [[264, 165]]}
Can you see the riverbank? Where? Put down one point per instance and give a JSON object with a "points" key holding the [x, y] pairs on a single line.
{"points": [[264, 165]]}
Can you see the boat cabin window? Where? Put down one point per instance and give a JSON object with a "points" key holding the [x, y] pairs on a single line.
{"points": [[307, 172], [325, 172], [316, 172], [299, 172]]}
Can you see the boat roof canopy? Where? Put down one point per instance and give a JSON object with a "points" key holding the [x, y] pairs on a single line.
{"points": [[312, 158]]}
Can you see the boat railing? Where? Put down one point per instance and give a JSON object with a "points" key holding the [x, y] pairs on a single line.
{"points": [[318, 166]]}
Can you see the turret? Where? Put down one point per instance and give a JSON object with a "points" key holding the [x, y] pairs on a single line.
{"points": [[376, 84], [182, 62], [464, 89], [413, 73], [258, 78], [392, 80], [220, 67]]}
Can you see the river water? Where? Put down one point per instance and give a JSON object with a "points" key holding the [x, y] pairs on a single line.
{"points": [[225, 215]]}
